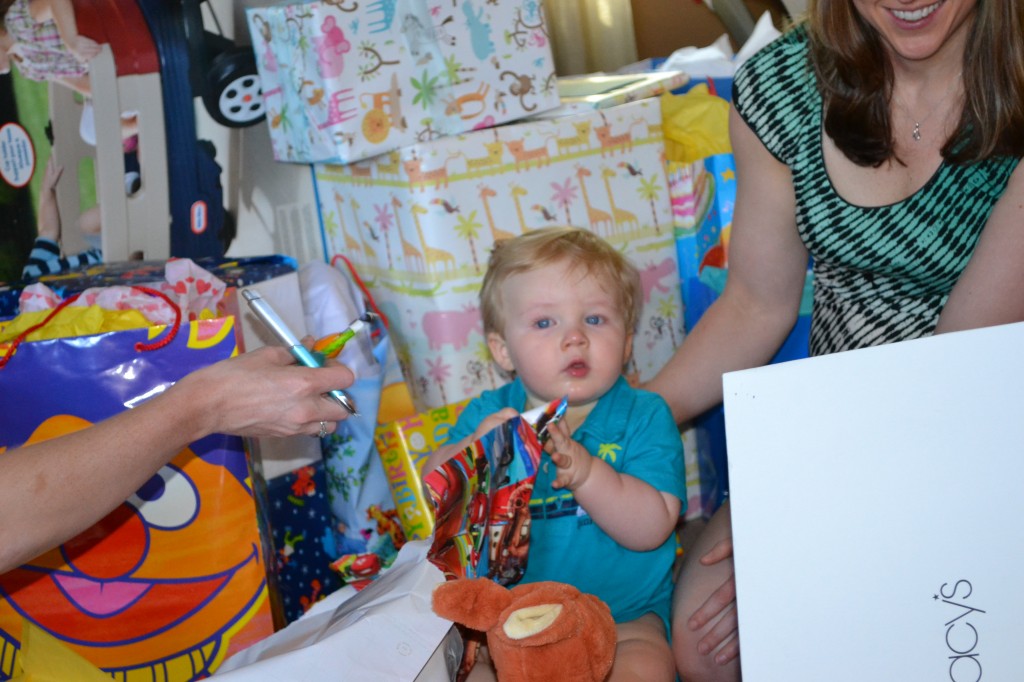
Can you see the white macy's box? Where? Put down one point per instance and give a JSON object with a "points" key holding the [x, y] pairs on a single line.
{"points": [[895, 551]]}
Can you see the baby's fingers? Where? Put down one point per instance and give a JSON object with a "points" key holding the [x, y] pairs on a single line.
{"points": [[561, 460], [493, 421], [559, 438]]}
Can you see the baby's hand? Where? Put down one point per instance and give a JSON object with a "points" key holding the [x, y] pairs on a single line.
{"points": [[494, 421], [446, 452], [571, 458], [83, 48]]}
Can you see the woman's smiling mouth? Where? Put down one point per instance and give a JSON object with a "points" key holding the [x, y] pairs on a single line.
{"points": [[917, 14]]}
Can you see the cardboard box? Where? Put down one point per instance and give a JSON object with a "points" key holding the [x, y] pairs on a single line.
{"points": [[348, 82], [890, 473], [418, 224], [663, 26]]}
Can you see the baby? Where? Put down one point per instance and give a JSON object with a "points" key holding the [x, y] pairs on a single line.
{"points": [[559, 309]]}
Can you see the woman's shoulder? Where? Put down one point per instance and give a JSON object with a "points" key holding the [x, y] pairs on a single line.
{"points": [[775, 93], [788, 49], [781, 63]]}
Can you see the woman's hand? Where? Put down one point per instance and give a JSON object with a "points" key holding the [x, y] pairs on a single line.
{"points": [[722, 601], [264, 393]]}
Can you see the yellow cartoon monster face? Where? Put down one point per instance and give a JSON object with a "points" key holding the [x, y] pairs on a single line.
{"points": [[173, 579]]}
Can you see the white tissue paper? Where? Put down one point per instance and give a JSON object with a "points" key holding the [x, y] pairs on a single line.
{"points": [[387, 631]]}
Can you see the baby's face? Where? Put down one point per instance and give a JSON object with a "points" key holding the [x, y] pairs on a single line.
{"points": [[564, 334]]}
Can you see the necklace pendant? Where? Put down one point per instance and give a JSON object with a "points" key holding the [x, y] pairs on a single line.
{"points": [[917, 132]]}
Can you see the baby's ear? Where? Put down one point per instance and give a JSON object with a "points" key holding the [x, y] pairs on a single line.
{"points": [[499, 351], [473, 602]]}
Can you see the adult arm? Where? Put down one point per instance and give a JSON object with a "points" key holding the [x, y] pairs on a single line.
{"points": [[57, 488], [991, 289], [759, 306], [742, 329]]}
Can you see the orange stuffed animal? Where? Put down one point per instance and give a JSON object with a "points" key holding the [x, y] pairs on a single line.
{"points": [[535, 632]]}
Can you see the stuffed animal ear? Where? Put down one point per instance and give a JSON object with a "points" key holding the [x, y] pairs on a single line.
{"points": [[473, 602]]}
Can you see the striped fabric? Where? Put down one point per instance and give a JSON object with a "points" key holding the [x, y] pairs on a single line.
{"points": [[881, 274], [45, 259]]}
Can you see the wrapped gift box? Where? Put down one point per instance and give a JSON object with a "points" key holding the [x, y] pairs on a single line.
{"points": [[305, 539], [418, 224], [404, 446], [348, 81]]}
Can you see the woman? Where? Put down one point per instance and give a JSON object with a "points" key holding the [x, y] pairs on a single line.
{"points": [[882, 139]]}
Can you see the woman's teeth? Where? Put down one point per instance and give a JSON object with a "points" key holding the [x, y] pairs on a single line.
{"points": [[917, 14]]}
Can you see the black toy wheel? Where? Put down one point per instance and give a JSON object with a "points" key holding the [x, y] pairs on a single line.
{"points": [[234, 94]]}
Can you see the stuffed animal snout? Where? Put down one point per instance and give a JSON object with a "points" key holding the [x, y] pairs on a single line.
{"points": [[535, 632]]}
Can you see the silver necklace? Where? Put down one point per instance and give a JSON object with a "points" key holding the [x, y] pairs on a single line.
{"points": [[916, 133]]}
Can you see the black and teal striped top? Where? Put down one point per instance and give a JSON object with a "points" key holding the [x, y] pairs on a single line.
{"points": [[881, 274]]}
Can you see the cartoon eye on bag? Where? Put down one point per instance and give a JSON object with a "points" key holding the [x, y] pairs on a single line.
{"points": [[168, 500]]}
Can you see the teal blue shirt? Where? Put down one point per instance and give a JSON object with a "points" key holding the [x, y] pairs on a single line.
{"points": [[633, 431]]}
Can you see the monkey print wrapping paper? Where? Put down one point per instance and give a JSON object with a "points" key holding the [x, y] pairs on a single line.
{"points": [[345, 80]]}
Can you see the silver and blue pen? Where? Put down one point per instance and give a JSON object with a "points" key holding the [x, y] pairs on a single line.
{"points": [[303, 355]]}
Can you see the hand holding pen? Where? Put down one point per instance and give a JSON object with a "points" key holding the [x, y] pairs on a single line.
{"points": [[262, 309]]}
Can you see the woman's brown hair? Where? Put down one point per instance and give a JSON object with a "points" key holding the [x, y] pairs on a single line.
{"points": [[856, 80]]}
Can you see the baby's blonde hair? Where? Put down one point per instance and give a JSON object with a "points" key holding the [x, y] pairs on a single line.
{"points": [[546, 246]]}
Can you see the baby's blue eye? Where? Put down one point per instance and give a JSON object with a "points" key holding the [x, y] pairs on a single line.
{"points": [[594, 319], [542, 324]]}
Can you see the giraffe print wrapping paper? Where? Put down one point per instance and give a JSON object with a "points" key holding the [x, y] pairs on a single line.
{"points": [[346, 80], [418, 223]]}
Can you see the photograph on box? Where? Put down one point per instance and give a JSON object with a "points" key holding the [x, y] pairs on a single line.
{"points": [[419, 222], [100, 153]]}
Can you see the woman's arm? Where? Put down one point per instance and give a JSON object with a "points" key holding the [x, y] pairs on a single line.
{"points": [[57, 488], [761, 301], [742, 329], [991, 289]]}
